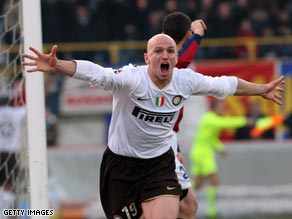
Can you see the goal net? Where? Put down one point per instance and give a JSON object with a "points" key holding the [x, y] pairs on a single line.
{"points": [[13, 145], [16, 146]]}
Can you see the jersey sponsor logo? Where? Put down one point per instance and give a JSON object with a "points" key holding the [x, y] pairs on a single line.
{"points": [[170, 188], [176, 100], [149, 116], [159, 101]]}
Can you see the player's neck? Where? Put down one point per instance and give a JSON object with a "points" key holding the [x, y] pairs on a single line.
{"points": [[158, 82]]}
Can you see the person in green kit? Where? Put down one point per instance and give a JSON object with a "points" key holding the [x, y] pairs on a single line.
{"points": [[206, 144]]}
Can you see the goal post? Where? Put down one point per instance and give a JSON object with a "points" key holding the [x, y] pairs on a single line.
{"points": [[35, 104], [23, 149]]}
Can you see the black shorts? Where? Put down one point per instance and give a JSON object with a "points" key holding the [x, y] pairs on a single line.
{"points": [[126, 182], [184, 193]]}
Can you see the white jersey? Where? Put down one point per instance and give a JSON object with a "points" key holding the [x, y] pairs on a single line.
{"points": [[11, 128], [143, 115]]}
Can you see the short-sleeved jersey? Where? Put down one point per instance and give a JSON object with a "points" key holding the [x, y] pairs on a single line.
{"points": [[143, 115]]}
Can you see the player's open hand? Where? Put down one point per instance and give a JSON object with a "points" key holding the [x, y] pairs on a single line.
{"points": [[273, 91], [41, 62]]}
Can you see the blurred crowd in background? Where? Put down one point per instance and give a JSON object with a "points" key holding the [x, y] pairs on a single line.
{"points": [[123, 20], [108, 20]]}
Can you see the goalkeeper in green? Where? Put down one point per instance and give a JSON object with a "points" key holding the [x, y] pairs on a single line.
{"points": [[206, 144]]}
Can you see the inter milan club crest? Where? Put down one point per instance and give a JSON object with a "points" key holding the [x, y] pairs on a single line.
{"points": [[176, 100], [159, 101]]}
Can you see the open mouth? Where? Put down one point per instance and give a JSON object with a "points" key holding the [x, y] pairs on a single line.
{"points": [[164, 67]]}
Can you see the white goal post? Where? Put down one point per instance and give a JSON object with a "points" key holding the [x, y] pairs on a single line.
{"points": [[36, 130]]}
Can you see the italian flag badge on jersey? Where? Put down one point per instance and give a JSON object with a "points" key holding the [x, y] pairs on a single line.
{"points": [[159, 101]]}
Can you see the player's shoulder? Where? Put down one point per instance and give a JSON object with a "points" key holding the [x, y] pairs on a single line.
{"points": [[188, 72], [184, 73], [211, 117], [130, 69], [132, 74]]}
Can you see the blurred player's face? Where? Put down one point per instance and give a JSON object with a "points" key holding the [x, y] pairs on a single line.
{"points": [[161, 58]]}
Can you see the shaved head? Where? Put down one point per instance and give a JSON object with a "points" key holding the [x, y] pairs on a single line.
{"points": [[161, 58], [157, 39]]}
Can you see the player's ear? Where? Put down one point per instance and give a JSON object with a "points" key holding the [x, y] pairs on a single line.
{"points": [[146, 58]]}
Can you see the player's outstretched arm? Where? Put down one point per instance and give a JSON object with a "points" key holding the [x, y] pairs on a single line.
{"points": [[48, 62], [270, 91]]}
